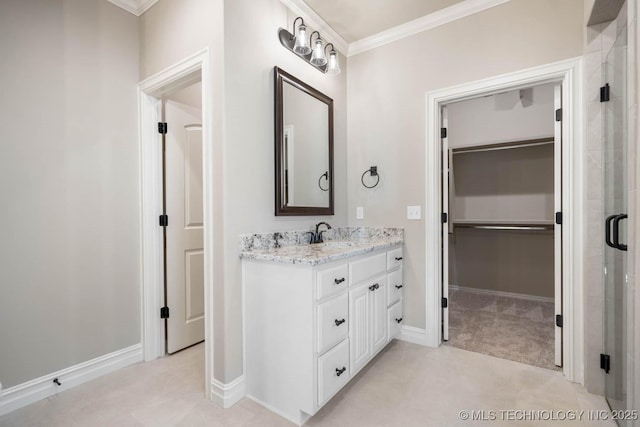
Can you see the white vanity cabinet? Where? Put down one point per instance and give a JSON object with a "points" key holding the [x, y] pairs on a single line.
{"points": [[310, 329]]}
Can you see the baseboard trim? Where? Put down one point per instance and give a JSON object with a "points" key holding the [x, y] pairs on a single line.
{"points": [[297, 421], [40, 388], [227, 395], [501, 294], [413, 335]]}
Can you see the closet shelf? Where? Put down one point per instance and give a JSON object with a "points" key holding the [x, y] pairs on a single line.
{"points": [[531, 225], [503, 145]]}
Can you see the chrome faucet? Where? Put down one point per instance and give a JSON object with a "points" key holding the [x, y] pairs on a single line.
{"points": [[316, 237]]}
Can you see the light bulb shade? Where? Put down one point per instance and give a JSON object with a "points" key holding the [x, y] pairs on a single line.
{"points": [[333, 65], [301, 46], [317, 57]]}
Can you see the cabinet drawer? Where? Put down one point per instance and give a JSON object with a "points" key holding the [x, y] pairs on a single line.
{"points": [[394, 286], [333, 371], [332, 281], [333, 322], [394, 259], [395, 320], [365, 268]]}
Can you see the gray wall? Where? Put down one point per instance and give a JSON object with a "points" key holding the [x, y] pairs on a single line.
{"points": [[510, 116], [386, 91], [518, 262], [244, 53], [69, 176], [515, 185]]}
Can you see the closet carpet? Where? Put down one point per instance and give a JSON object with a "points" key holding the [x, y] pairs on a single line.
{"points": [[509, 328]]}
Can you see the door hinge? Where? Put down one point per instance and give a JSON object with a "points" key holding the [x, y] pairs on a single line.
{"points": [[559, 115], [559, 320], [164, 220], [444, 217], [558, 217], [443, 132], [445, 302], [162, 127], [605, 362], [604, 93], [164, 312]]}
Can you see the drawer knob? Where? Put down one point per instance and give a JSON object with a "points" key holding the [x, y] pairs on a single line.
{"points": [[399, 286], [340, 371], [398, 258], [399, 320], [338, 281], [374, 287], [339, 322]]}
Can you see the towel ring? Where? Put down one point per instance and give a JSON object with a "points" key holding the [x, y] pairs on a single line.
{"points": [[373, 170], [325, 176]]}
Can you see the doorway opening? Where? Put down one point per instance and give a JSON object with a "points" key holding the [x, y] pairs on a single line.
{"points": [[568, 74], [502, 238], [155, 93]]}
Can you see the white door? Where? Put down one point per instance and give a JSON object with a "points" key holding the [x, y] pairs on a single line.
{"points": [[184, 245], [557, 238], [445, 224]]}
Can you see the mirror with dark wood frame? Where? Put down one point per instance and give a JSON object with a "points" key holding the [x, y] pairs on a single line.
{"points": [[303, 148]]}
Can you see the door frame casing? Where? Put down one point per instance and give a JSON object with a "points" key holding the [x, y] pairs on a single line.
{"points": [[150, 91], [569, 72]]}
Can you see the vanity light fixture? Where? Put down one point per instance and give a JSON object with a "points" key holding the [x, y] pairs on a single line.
{"points": [[312, 51], [333, 66], [317, 57], [301, 45]]}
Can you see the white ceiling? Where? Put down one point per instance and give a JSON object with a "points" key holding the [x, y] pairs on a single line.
{"points": [[355, 26], [357, 19]]}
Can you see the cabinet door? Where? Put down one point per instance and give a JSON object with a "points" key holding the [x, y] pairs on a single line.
{"points": [[359, 335], [378, 298]]}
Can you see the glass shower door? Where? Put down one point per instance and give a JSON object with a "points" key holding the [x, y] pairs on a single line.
{"points": [[614, 361]]}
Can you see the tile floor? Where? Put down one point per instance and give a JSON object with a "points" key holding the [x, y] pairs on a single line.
{"points": [[405, 385], [509, 328]]}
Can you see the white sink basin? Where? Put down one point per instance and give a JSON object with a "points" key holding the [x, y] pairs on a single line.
{"points": [[337, 244]]}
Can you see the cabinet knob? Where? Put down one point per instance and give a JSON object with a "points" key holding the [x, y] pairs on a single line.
{"points": [[399, 286], [374, 287], [399, 320], [338, 281], [339, 322], [398, 258], [340, 371]]}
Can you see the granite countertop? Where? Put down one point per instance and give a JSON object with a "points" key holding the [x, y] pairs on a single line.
{"points": [[342, 243]]}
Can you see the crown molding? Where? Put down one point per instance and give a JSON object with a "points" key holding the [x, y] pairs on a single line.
{"points": [[137, 7], [315, 21], [436, 19]]}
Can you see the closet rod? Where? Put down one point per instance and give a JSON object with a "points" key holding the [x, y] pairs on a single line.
{"points": [[503, 145], [507, 227]]}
